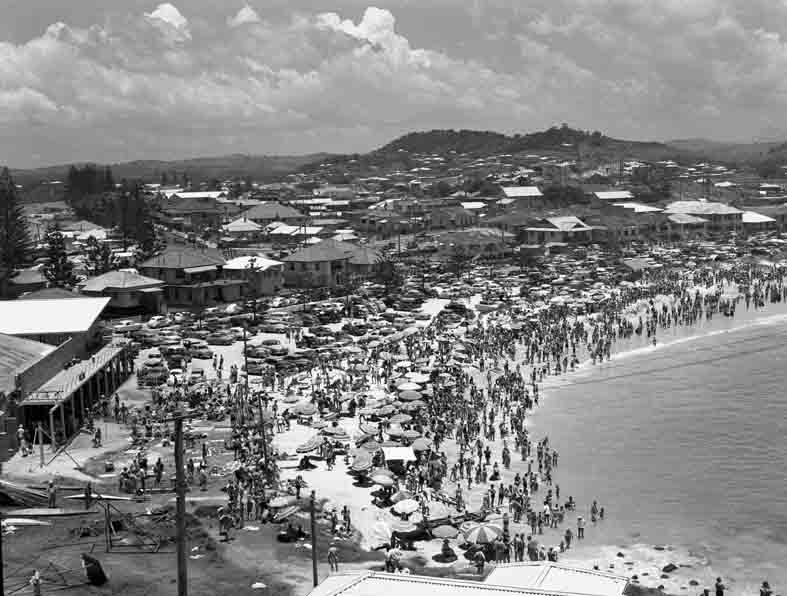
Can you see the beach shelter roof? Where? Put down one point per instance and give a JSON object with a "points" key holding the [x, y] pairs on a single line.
{"points": [[554, 577]]}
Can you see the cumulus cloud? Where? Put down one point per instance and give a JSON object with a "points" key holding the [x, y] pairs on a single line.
{"points": [[160, 85], [245, 16]]}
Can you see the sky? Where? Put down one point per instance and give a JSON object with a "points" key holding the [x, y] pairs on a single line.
{"points": [[118, 80]]}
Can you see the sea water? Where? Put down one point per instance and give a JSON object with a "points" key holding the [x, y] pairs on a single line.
{"points": [[684, 445]]}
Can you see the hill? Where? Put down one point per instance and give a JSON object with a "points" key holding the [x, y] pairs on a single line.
{"points": [[257, 167], [561, 139]]}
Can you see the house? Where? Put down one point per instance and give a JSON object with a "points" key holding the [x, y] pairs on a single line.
{"points": [[529, 196], [680, 226], [128, 292], [777, 212], [26, 280], [266, 213], [324, 264], [451, 217], [192, 277], [720, 216], [262, 276], [567, 229], [242, 228], [194, 213]]}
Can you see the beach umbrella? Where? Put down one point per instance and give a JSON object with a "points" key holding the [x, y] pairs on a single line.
{"points": [[389, 444], [400, 419], [371, 446], [483, 534], [409, 395], [368, 428], [445, 531], [417, 377], [384, 471], [395, 432], [386, 411], [411, 434], [319, 424], [407, 506], [311, 445], [335, 431], [408, 386], [383, 480], [362, 462], [421, 444], [401, 495], [292, 399]]}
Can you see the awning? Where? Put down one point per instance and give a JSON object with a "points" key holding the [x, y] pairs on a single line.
{"points": [[151, 290], [399, 454], [202, 269]]}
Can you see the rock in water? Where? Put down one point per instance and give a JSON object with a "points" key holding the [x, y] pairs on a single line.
{"points": [[669, 568]]}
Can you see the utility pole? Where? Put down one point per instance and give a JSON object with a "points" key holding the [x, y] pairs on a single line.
{"points": [[314, 539], [2, 562], [180, 510]]}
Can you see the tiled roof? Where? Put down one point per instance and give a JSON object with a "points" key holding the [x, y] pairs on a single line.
{"points": [[182, 258], [701, 208], [272, 211], [327, 250]]}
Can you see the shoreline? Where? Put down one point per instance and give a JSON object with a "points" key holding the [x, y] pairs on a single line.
{"points": [[644, 558]]}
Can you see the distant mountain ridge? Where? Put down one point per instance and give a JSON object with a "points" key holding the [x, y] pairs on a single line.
{"points": [[256, 167]]}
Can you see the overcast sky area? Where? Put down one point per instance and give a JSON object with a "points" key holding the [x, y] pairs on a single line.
{"points": [[116, 80]]}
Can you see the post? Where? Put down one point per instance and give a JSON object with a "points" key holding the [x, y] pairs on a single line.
{"points": [[314, 539], [40, 434], [180, 511], [2, 562]]}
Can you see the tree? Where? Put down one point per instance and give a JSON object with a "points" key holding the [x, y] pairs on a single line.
{"points": [[58, 270], [388, 272], [99, 257], [15, 240]]}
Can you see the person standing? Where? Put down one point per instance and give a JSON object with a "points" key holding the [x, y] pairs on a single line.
{"points": [[51, 492], [719, 587], [333, 557], [580, 528]]}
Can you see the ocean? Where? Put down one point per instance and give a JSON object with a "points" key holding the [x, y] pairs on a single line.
{"points": [[684, 444]]}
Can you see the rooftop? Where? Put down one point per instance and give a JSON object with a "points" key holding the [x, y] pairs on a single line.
{"points": [[49, 317], [613, 195], [752, 217], [16, 355], [381, 584], [327, 250], [120, 280], [686, 219], [638, 207], [518, 192], [701, 208], [242, 225], [260, 262], [67, 381], [272, 211], [557, 578], [183, 258]]}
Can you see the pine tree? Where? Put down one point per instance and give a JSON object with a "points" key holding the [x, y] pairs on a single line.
{"points": [[58, 270], [15, 242], [98, 257]]}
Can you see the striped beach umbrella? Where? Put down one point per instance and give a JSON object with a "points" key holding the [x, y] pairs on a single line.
{"points": [[409, 395], [483, 534], [408, 386], [400, 418]]}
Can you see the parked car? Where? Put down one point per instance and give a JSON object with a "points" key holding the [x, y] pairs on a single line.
{"points": [[220, 339], [127, 326]]}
